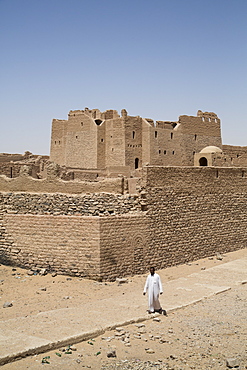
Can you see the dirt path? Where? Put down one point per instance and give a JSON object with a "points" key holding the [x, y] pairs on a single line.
{"points": [[201, 336]]}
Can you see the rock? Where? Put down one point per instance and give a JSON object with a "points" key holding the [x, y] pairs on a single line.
{"points": [[30, 272], [157, 319], [232, 362], [111, 353], [139, 325], [54, 274], [68, 279], [43, 289], [219, 257], [121, 281], [43, 272], [7, 304], [150, 350], [119, 329]]}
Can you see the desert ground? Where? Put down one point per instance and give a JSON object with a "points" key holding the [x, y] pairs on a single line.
{"points": [[211, 334]]}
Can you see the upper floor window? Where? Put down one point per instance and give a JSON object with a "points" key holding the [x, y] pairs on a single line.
{"points": [[133, 134], [155, 134]]}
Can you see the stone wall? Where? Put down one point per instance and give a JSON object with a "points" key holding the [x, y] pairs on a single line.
{"points": [[65, 244], [194, 213], [29, 184], [180, 215], [59, 232]]}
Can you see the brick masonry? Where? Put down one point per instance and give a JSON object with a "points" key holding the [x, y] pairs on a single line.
{"points": [[179, 215]]}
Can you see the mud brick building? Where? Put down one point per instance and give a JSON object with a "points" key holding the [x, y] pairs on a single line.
{"points": [[119, 193]]}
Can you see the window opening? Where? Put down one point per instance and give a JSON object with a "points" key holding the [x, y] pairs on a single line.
{"points": [[136, 163], [11, 172], [155, 134], [164, 151], [217, 174], [133, 134], [102, 140], [203, 161], [171, 135], [159, 151], [173, 152], [195, 137], [98, 122]]}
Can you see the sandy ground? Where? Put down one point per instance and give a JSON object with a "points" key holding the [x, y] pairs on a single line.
{"points": [[202, 336]]}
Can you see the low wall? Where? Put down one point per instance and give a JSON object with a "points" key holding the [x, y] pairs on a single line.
{"points": [[54, 185]]}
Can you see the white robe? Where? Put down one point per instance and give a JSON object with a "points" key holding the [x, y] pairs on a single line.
{"points": [[154, 287]]}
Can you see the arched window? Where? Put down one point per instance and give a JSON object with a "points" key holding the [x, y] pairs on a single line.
{"points": [[136, 163], [203, 161]]}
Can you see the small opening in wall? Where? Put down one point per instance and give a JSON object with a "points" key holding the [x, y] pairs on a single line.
{"points": [[55, 142], [81, 123], [164, 151], [173, 152], [102, 140], [243, 174], [11, 172], [159, 151], [203, 161], [195, 137], [59, 142], [209, 120], [215, 120], [194, 153], [203, 119], [155, 134], [237, 155], [133, 134], [217, 174], [171, 135], [98, 122], [76, 137], [136, 163]]}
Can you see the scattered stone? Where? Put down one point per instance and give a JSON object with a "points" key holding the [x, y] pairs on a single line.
{"points": [[139, 325], [203, 268], [219, 257], [7, 304], [43, 289], [67, 297], [150, 350], [170, 331], [54, 274], [210, 258], [43, 272], [232, 362], [119, 329], [30, 272], [157, 319], [68, 279], [121, 280], [111, 353]]}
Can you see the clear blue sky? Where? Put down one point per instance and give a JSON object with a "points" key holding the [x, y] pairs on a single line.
{"points": [[157, 59]]}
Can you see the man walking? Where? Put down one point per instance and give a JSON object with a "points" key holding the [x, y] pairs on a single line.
{"points": [[154, 287]]}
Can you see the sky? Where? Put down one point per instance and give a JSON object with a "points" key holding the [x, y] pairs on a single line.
{"points": [[157, 59]]}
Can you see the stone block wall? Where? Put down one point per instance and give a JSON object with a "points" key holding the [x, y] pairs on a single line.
{"points": [[194, 213], [65, 244], [182, 214]]}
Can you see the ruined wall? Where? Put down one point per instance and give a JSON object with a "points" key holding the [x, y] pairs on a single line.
{"points": [[237, 155], [29, 184], [195, 212]]}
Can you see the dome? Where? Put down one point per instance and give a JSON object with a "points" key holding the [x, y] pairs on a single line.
{"points": [[211, 149]]}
